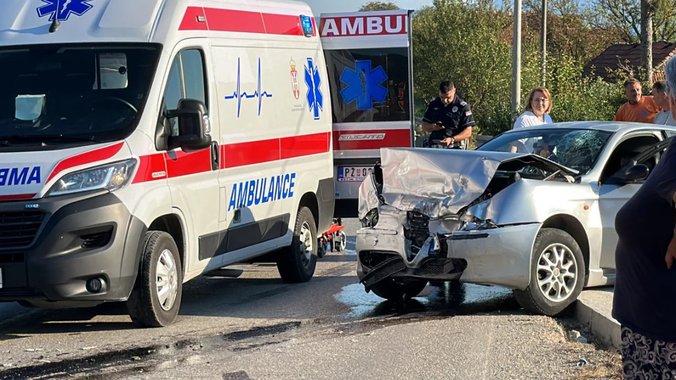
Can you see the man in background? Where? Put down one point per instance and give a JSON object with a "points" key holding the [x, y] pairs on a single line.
{"points": [[664, 117], [638, 107]]}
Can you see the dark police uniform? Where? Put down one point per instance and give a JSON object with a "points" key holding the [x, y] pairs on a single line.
{"points": [[455, 117]]}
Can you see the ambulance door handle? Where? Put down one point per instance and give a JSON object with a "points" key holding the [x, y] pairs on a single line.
{"points": [[215, 156]]}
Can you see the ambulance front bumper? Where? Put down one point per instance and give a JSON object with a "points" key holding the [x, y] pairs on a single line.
{"points": [[68, 251]]}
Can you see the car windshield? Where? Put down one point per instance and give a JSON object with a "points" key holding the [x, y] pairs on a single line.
{"points": [[64, 94], [574, 148]]}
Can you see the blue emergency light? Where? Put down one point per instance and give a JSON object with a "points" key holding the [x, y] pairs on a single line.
{"points": [[306, 24]]}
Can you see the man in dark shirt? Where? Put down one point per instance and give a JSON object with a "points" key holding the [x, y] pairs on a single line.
{"points": [[448, 118], [645, 286]]}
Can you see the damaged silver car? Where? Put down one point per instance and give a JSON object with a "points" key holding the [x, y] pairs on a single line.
{"points": [[532, 210]]}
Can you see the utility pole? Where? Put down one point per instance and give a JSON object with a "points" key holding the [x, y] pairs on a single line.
{"points": [[543, 43], [516, 60], [648, 9]]}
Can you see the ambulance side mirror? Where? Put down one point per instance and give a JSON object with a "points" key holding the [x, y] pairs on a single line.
{"points": [[193, 126]]}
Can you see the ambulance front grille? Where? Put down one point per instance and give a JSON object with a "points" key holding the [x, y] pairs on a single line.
{"points": [[18, 229]]}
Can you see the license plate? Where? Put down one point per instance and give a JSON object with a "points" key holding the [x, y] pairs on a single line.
{"points": [[353, 173]]}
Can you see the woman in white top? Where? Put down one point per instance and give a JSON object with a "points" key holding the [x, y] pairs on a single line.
{"points": [[537, 110]]}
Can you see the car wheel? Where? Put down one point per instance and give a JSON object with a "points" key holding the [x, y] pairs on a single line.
{"points": [[156, 297], [297, 262], [557, 273], [398, 290]]}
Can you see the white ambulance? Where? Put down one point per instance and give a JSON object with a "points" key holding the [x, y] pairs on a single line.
{"points": [[370, 66], [143, 143]]}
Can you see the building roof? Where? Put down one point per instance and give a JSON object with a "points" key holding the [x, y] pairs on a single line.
{"points": [[627, 56]]}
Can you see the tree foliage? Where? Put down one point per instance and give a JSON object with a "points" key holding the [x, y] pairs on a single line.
{"points": [[378, 6], [625, 15]]}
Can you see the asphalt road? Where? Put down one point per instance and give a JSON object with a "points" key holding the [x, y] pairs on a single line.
{"points": [[256, 327]]}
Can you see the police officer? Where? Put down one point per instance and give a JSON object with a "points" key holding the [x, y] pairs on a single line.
{"points": [[448, 118]]}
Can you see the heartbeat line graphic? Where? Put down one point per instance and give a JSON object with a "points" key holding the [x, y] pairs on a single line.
{"points": [[258, 93]]}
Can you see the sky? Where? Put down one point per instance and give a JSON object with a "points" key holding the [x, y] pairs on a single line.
{"points": [[332, 6]]}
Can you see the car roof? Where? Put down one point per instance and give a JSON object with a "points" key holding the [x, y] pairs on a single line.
{"points": [[609, 126]]}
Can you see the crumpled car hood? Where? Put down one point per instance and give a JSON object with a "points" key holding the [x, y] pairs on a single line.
{"points": [[439, 182]]}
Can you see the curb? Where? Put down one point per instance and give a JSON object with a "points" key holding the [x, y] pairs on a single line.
{"points": [[593, 310]]}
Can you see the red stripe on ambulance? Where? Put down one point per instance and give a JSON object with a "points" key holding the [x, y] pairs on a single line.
{"points": [[86, 158], [177, 163], [230, 20], [16, 197], [307, 145], [256, 152], [371, 139], [151, 167], [180, 163]]}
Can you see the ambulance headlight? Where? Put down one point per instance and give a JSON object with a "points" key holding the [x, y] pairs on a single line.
{"points": [[106, 177]]}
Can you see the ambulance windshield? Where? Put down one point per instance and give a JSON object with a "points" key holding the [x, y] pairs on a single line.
{"points": [[66, 94]]}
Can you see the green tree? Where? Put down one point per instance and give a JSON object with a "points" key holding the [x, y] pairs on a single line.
{"points": [[378, 6], [625, 15]]}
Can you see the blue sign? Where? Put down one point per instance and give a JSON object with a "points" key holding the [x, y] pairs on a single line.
{"points": [[63, 8], [19, 176], [364, 85], [314, 93], [238, 94], [261, 190]]}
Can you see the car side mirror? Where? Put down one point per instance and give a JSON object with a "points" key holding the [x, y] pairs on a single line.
{"points": [[193, 125], [636, 173]]}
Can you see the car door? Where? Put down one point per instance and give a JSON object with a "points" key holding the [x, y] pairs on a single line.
{"points": [[615, 189]]}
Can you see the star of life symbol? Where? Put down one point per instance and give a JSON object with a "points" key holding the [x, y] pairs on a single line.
{"points": [[314, 93], [62, 9], [364, 85]]}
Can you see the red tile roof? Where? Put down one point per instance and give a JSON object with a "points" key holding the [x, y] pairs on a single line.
{"points": [[622, 56]]}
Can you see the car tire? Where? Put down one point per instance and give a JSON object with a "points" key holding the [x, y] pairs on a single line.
{"points": [[557, 273], [156, 297], [297, 262], [397, 290]]}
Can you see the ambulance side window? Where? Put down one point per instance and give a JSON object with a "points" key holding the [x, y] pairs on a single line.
{"points": [[186, 81]]}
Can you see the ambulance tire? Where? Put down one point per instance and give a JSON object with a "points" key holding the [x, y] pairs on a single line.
{"points": [[297, 262], [156, 303]]}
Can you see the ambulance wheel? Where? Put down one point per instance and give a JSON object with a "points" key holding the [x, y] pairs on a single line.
{"points": [[297, 262], [156, 296]]}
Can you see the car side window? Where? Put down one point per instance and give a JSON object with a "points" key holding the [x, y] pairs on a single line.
{"points": [[633, 151], [186, 81]]}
